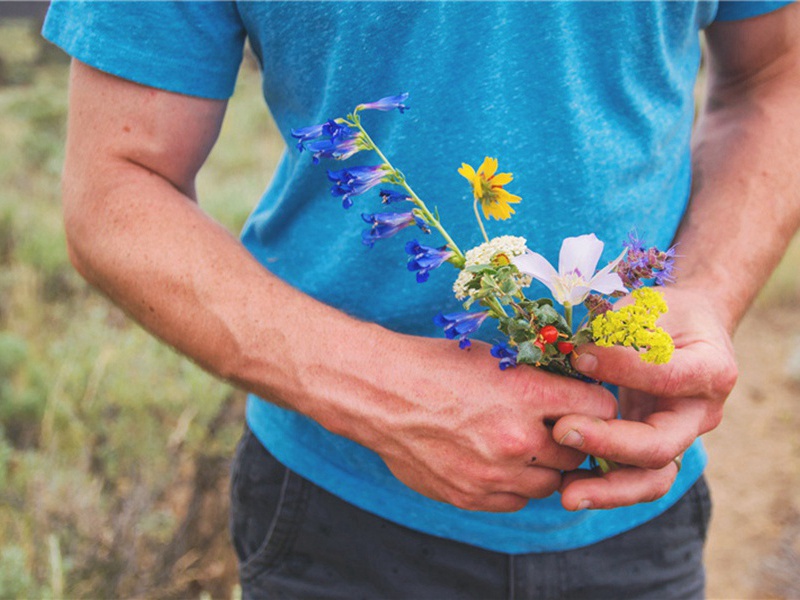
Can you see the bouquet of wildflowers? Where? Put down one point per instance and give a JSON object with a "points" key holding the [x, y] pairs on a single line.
{"points": [[492, 277]]}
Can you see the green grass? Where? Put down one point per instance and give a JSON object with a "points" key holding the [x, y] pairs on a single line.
{"points": [[102, 428]]}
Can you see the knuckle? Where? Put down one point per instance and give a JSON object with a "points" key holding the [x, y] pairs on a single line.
{"points": [[546, 483], [660, 456], [712, 419], [514, 443], [664, 486], [545, 490], [670, 382], [610, 407], [461, 500], [512, 504], [571, 461], [725, 379], [489, 478], [659, 489]]}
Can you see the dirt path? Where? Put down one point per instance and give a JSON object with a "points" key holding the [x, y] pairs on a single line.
{"points": [[754, 542]]}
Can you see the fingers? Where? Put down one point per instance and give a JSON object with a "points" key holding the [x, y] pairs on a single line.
{"points": [[651, 443], [537, 482], [555, 395], [622, 487], [700, 370], [508, 494]]}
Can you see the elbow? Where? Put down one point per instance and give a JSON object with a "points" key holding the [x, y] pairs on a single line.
{"points": [[77, 228]]}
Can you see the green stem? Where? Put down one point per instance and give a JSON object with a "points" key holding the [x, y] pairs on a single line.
{"points": [[429, 217], [568, 315], [494, 304], [606, 465], [480, 221]]}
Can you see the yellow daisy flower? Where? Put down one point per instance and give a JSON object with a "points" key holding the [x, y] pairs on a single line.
{"points": [[487, 187]]}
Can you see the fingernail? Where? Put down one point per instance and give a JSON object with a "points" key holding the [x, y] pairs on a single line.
{"points": [[573, 439], [585, 504], [586, 363]]}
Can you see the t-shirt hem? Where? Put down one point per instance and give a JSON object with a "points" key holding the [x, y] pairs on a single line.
{"points": [[738, 10], [139, 67]]}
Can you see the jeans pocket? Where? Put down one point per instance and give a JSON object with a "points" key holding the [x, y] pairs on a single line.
{"points": [[703, 506], [267, 505]]}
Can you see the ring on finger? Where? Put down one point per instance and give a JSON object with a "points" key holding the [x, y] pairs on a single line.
{"points": [[678, 460]]}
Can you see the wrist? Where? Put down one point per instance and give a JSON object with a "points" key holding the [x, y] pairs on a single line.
{"points": [[715, 293]]}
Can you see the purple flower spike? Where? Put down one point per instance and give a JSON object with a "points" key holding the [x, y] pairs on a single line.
{"points": [[390, 196], [355, 181], [335, 148], [424, 259], [329, 140], [329, 129], [633, 243], [506, 354], [388, 103], [642, 264], [460, 325], [385, 225]]}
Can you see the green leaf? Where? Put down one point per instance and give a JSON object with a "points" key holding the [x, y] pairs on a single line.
{"points": [[480, 269], [528, 353], [583, 336]]}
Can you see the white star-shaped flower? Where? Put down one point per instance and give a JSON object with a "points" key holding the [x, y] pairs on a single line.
{"points": [[576, 276]]}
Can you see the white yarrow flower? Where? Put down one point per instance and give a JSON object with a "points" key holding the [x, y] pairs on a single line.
{"points": [[509, 245]]}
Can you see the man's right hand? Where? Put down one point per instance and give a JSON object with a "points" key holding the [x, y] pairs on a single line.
{"points": [[452, 426]]}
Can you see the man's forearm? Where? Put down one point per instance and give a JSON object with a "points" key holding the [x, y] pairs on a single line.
{"points": [[198, 289], [745, 204]]}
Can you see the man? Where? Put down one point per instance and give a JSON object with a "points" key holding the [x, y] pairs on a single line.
{"points": [[380, 461]]}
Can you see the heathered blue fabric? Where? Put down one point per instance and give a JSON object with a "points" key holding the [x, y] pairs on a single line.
{"points": [[589, 104]]}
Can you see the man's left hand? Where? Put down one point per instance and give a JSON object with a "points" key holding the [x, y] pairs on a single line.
{"points": [[664, 408]]}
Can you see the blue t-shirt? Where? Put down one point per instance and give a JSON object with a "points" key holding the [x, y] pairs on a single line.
{"points": [[589, 104]]}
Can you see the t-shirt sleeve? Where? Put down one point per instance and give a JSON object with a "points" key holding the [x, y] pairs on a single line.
{"points": [[192, 48], [734, 10]]}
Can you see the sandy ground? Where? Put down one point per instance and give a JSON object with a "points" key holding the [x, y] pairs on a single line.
{"points": [[754, 541]]}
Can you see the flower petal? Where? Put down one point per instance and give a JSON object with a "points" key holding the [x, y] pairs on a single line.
{"points": [[575, 295], [581, 253], [536, 265], [607, 283], [503, 196], [502, 179], [467, 172], [488, 168]]}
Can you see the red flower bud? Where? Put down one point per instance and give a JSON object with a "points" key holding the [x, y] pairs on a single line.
{"points": [[549, 334], [565, 347]]}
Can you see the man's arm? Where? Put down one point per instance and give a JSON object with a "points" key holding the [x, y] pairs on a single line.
{"points": [[744, 210], [448, 423]]}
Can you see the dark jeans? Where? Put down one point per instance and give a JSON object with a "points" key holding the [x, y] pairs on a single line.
{"points": [[295, 540]]}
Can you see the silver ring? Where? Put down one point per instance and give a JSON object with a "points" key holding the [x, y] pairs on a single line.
{"points": [[678, 460]]}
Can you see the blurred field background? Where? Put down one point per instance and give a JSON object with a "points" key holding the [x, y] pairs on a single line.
{"points": [[114, 451]]}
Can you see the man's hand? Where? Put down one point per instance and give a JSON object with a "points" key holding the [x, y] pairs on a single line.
{"points": [[470, 434], [664, 408]]}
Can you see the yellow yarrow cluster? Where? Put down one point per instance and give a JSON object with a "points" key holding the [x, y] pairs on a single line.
{"points": [[635, 326]]}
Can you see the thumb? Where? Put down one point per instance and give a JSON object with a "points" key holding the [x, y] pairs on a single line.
{"points": [[623, 367]]}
